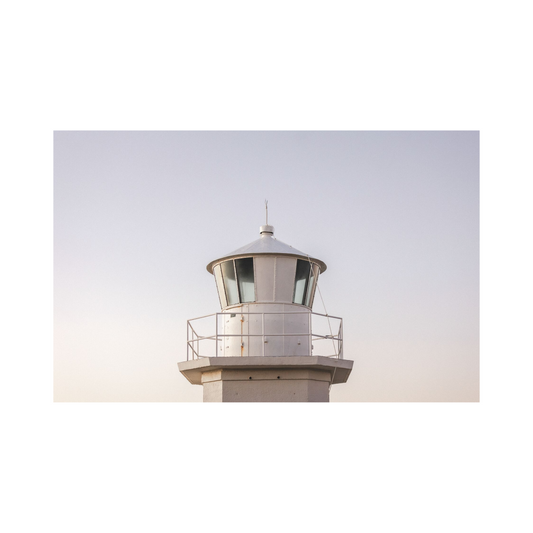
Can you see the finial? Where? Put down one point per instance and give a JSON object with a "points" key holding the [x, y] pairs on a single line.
{"points": [[266, 229]]}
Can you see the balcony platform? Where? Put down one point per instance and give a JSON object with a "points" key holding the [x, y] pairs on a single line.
{"points": [[266, 379]]}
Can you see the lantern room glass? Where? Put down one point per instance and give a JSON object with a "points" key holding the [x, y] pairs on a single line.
{"points": [[245, 275], [230, 282], [311, 286], [239, 282], [220, 286], [301, 281]]}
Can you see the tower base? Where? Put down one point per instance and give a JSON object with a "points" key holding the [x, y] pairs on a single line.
{"points": [[266, 379]]}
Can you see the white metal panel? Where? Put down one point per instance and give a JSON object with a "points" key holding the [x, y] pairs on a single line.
{"points": [[296, 329], [245, 330], [264, 278], [233, 329], [276, 330], [284, 281], [255, 330], [273, 333]]}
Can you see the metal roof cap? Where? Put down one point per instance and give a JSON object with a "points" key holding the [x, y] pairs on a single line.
{"points": [[266, 245]]}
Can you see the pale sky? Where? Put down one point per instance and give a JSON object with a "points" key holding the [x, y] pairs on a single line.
{"points": [[106, 260], [138, 215]]}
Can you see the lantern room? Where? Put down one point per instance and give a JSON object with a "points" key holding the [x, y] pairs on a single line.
{"points": [[266, 271], [266, 291]]}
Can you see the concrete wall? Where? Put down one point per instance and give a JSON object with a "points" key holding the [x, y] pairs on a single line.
{"points": [[257, 385]]}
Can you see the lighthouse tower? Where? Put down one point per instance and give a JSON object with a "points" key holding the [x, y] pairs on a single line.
{"points": [[266, 345]]}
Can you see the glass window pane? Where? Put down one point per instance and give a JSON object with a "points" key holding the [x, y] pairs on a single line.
{"points": [[245, 275], [228, 272], [220, 286], [300, 284], [311, 287]]}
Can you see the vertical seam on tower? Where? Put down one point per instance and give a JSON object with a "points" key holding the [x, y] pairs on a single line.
{"points": [[275, 277]]}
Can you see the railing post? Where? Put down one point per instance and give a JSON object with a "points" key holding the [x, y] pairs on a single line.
{"points": [[197, 346], [341, 343], [216, 335], [187, 340]]}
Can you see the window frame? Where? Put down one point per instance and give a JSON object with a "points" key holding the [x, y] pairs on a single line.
{"points": [[221, 289], [310, 284], [237, 282], [241, 282], [314, 271]]}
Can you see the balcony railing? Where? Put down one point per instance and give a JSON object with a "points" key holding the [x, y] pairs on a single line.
{"points": [[205, 335]]}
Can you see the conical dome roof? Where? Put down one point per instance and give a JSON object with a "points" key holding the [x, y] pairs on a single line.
{"points": [[267, 245]]}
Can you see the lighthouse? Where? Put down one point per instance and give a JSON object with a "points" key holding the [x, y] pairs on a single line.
{"points": [[266, 344]]}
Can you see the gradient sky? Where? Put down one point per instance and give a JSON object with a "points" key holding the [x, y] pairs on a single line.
{"points": [[138, 215], [393, 215], [395, 220]]}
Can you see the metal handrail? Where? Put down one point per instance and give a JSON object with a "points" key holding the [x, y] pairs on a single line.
{"points": [[194, 338]]}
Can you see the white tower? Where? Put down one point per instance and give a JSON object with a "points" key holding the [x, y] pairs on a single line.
{"points": [[266, 344]]}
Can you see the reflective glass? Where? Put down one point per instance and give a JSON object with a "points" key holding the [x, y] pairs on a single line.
{"points": [[300, 283], [220, 286], [245, 275], [311, 287], [228, 273]]}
